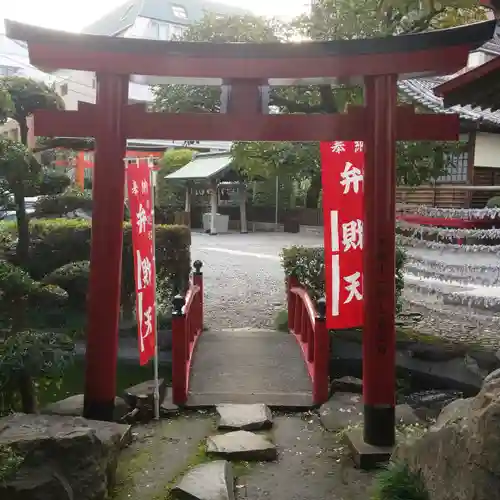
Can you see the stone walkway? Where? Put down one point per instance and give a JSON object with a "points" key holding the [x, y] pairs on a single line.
{"points": [[249, 366], [242, 453]]}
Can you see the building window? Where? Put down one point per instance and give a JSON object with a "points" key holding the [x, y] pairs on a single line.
{"points": [[93, 83], [179, 11], [64, 89], [456, 167]]}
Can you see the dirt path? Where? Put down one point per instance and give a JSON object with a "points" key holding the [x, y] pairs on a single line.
{"points": [[160, 453], [312, 464]]}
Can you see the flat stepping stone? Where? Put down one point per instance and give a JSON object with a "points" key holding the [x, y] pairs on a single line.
{"points": [[210, 481], [252, 417], [242, 445]]}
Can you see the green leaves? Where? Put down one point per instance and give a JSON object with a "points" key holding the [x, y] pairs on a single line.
{"points": [[28, 95]]}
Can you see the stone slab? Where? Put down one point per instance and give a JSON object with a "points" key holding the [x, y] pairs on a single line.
{"points": [[365, 455], [248, 417], [143, 394], [210, 481], [73, 407], [242, 445], [345, 409]]}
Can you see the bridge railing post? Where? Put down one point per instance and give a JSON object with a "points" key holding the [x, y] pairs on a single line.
{"points": [[321, 355], [198, 280], [292, 282], [179, 351]]}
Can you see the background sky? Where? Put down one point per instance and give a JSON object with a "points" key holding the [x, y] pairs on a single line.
{"points": [[73, 16]]}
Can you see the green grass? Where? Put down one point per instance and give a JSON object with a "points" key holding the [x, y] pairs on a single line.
{"points": [[398, 482], [73, 381]]}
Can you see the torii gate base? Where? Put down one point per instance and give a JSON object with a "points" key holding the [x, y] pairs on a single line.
{"points": [[244, 70]]}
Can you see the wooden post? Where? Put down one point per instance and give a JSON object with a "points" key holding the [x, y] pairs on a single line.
{"points": [[198, 280], [379, 335], [106, 248], [243, 208], [321, 355], [213, 208], [179, 351]]}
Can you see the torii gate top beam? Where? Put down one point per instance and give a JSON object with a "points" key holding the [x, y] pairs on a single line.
{"points": [[443, 51]]}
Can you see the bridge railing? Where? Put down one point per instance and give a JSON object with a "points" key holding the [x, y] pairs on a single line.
{"points": [[187, 325], [307, 323]]}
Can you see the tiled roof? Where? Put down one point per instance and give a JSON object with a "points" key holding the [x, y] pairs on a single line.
{"points": [[421, 91]]}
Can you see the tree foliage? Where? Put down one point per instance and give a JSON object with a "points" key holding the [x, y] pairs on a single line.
{"points": [[168, 194], [328, 20]]}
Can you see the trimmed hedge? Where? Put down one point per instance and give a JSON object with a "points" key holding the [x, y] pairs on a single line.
{"points": [[58, 205], [308, 266], [60, 247]]}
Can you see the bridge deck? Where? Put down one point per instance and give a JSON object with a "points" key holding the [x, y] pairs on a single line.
{"points": [[249, 366]]}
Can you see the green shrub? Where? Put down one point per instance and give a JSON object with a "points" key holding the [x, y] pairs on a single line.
{"points": [[42, 356], [493, 202], [53, 183], [10, 461], [74, 279], [56, 243], [398, 482], [57, 205], [281, 321], [308, 266]]}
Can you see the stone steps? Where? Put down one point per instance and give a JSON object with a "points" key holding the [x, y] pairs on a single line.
{"points": [[215, 480]]}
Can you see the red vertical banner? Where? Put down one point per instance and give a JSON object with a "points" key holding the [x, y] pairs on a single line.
{"points": [[342, 169], [139, 189]]}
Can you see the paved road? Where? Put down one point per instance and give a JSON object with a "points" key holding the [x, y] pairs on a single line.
{"points": [[244, 280]]}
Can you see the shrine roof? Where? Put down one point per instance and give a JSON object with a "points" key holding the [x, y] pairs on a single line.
{"points": [[203, 167], [421, 90], [305, 63], [478, 87]]}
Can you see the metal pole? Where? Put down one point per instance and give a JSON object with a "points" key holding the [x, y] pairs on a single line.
{"points": [[277, 200], [156, 356]]}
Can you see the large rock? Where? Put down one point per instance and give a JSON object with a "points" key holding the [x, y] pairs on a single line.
{"points": [[345, 409], [458, 458], [211, 481], [73, 407], [252, 417], [78, 457], [242, 445]]}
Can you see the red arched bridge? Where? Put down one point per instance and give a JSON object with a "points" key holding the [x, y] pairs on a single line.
{"points": [[248, 365]]}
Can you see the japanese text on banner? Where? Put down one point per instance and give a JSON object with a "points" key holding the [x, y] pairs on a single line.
{"points": [[342, 168], [141, 214]]}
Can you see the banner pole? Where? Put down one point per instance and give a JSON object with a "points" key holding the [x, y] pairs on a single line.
{"points": [[152, 177]]}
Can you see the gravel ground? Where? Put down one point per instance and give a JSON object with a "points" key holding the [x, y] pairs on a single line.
{"points": [[244, 285], [243, 277], [456, 323]]}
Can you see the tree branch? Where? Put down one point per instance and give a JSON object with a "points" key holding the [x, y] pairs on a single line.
{"points": [[295, 107], [424, 22]]}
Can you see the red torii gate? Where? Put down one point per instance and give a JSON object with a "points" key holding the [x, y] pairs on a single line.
{"points": [[245, 68]]}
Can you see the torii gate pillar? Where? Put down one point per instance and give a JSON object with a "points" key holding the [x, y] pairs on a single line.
{"points": [[379, 249], [106, 247]]}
